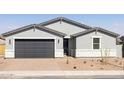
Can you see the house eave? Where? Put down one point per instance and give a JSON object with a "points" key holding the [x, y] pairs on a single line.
{"points": [[22, 29], [96, 29], [65, 20]]}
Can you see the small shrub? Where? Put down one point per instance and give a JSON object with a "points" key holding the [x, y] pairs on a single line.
{"points": [[85, 62], [101, 60], [74, 67], [67, 62], [120, 63], [102, 68], [116, 60], [91, 65]]}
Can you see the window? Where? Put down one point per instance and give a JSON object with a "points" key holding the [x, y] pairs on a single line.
{"points": [[96, 43]]}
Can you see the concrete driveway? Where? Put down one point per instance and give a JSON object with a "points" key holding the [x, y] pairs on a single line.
{"points": [[29, 64]]}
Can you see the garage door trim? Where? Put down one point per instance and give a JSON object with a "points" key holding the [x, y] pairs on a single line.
{"points": [[14, 38]]}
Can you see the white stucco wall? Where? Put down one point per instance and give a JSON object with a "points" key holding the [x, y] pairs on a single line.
{"points": [[119, 51], [31, 34], [84, 46]]}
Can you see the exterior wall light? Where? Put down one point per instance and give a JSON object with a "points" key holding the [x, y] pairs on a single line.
{"points": [[10, 41], [58, 41]]}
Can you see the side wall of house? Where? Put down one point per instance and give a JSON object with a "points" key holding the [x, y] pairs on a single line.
{"points": [[119, 51], [31, 34], [84, 46]]}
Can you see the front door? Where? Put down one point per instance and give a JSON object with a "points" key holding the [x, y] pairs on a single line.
{"points": [[66, 46]]}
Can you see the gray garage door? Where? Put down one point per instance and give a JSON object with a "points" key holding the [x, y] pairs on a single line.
{"points": [[34, 48]]}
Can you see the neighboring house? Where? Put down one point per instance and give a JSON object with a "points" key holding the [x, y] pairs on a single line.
{"points": [[59, 37], [122, 42], [2, 45]]}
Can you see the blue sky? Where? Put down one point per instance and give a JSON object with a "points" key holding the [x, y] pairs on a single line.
{"points": [[112, 22]]}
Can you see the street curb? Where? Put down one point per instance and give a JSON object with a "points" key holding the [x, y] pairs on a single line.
{"points": [[52, 73]]}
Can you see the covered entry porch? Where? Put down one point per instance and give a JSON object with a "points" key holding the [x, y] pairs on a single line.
{"points": [[69, 46]]}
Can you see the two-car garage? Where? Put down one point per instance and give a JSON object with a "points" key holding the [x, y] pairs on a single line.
{"points": [[34, 41], [34, 48]]}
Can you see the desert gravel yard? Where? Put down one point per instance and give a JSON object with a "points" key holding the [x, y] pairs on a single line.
{"points": [[63, 64]]}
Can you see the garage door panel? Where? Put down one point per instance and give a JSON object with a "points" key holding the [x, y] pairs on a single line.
{"points": [[34, 48], [20, 55]]}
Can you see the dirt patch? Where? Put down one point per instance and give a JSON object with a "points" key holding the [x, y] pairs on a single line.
{"points": [[90, 64], [72, 64]]}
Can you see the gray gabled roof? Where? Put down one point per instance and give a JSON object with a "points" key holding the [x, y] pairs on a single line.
{"points": [[33, 26], [96, 29], [65, 20], [18, 30], [51, 30]]}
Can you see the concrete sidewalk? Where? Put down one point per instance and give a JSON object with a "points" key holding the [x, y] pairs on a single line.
{"points": [[60, 74]]}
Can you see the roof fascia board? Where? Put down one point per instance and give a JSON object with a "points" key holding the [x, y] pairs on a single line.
{"points": [[95, 29], [72, 22], [31, 27]]}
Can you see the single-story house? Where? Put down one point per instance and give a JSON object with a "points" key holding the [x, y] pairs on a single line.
{"points": [[58, 37]]}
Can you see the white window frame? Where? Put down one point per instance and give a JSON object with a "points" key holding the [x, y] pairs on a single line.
{"points": [[99, 42]]}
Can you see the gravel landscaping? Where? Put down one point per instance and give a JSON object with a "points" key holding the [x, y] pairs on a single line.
{"points": [[63, 64]]}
